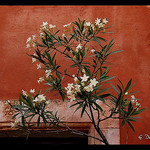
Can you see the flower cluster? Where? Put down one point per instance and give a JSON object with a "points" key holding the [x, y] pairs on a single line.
{"points": [[45, 26], [40, 98], [31, 42], [48, 73], [134, 101], [79, 47], [84, 83], [37, 99], [101, 23], [26, 94], [98, 22]]}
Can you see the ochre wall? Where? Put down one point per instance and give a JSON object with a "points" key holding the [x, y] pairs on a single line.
{"points": [[131, 34]]}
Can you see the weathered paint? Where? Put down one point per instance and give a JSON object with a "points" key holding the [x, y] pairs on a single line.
{"points": [[131, 34]]}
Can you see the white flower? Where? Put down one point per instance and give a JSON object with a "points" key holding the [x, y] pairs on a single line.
{"points": [[137, 104], [24, 93], [66, 25], [70, 85], [52, 26], [33, 44], [97, 21], [77, 87], [40, 98], [69, 92], [87, 24], [101, 25], [32, 91], [126, 93], [33, 36], [28, 40], [44, 24], [84, 78], [41, 79], [7, 102], [38, 66], [47, 102], [93, 50], [48, 73], [105, 20], [28, 45], [82, 83], [78, 47], [41, 34], [133, 99], [88, 88], [93, 82], [33, 59], [83, 70], [93, 27], [76, 79], [72, 97], [63, 35]]}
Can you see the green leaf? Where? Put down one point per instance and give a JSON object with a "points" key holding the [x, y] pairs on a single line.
{"points": [[77, 24], [115, 52], [22, 100], [83, 109], [58, 75], [131, 126], [87, 71], [75, 104], [20, 106], [130, 108], [102, 90], [137, 112], [15, 115], [109, 46], [97, 106], [108, 78], [115, 89], [38, 121], [121, 83], [97, 40], [132, 93], [131, 86], [109, 26], [81, 105], [101, 38], [122, 123], [74, 30], [62, 95], [44, 42], [53, 57], [44, 119], [82, 26], [128, 85], [49, 57]]}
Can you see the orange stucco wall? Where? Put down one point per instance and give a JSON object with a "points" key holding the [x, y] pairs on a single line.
{"points": [[131, 34]]}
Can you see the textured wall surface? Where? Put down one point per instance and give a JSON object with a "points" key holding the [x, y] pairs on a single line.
{"points": [[131, 34]]}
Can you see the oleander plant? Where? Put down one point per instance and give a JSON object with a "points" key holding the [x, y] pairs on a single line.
{"points": [[89, 88]]}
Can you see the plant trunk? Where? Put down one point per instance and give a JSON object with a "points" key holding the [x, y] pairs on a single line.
{"points": [[105, 141]]}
